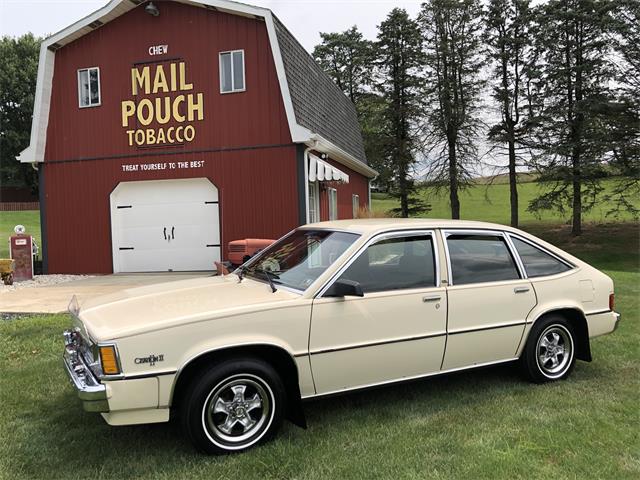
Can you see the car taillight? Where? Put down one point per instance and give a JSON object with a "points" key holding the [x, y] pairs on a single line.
{"points": [[611, 301]]}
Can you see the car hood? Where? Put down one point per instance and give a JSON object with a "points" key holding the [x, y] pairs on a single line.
{"points": [[143, 309]]}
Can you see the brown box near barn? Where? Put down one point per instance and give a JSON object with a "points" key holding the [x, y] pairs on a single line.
{"points": [[160, 139]]}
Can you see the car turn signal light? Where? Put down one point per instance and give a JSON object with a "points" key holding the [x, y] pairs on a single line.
{"points": [[611, 302], [109, 360]]}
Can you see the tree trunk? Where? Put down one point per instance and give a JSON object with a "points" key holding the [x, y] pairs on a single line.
{"points": [[404, 200], [576, 227], [577, 133], [513, 183], [453, 182]]}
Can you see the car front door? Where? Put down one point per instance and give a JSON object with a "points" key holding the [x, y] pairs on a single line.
{"points": [[489, 299], [396, 330]]}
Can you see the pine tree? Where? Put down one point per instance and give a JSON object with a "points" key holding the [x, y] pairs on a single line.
{"points": [[451, 32], [507, 38], [569, 119], [399, 61], [625, 126]]}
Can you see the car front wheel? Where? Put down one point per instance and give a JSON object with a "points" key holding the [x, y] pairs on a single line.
{"points": [[234, 406], [550, 351]]}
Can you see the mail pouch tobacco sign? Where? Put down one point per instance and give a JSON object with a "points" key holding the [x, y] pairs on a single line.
{"points": [[164, 109]]}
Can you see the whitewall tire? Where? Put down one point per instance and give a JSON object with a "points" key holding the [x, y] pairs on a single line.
{"points": [[550, 352], [235, 405]]}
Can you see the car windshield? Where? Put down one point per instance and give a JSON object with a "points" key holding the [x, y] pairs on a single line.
{"points": [[298, 259]]}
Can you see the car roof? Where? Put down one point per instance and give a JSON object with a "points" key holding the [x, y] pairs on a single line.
{"points": [[368, 225]]}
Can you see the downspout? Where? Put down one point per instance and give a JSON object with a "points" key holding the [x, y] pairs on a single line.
{"points": [[371, 180], [305, 159]]}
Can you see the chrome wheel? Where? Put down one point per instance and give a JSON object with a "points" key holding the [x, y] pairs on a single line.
{"points": [[554, 351], [238, 411]]}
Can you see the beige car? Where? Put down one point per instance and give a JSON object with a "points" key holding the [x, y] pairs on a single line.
{"points": [[329, 308]]}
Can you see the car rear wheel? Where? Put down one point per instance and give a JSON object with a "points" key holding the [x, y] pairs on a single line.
{"points": [[234, 406], [550, 351]]}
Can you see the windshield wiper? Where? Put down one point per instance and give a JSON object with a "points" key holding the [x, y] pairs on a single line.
{"points": [[240, 272], [268, 275]]}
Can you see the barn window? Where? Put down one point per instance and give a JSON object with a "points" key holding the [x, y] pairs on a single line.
{"points": [[89, 87], [314, 203], [232, 71], [355, 202], [333, 203]]}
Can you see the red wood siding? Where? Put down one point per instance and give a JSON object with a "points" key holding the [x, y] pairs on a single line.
{"points": [[78, 212], [358, 185], [194, 35], [243, 139]]}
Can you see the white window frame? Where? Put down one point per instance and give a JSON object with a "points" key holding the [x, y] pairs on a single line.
{"points": [[244, 72], [333, 215], [314, 202], [379, 238], [355, 204], [492, 233], [88, 69]]}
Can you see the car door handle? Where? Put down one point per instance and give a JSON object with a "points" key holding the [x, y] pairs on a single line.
{"points": [[431, 298], [521, 290]]}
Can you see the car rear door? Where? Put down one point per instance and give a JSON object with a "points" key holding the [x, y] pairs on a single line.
{"points": [[396, 330], [489, 298]]}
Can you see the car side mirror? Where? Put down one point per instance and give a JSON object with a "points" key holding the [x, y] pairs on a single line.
{"points": [[344, 288]]}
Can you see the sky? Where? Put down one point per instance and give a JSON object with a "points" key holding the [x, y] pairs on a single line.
{"points": [[305, 18]]}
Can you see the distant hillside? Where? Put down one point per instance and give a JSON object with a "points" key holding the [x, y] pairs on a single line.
{"points": [[503, 178], [490, 202]]}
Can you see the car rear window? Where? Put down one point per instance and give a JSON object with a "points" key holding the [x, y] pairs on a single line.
{"points": [[538, 263], [479, 258]]}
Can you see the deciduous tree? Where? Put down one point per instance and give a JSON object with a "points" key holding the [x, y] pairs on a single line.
{"points": [[349, 59], [18, 73]]}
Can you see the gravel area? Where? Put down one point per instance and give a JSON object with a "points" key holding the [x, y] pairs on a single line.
{"points": [[41, 281]]}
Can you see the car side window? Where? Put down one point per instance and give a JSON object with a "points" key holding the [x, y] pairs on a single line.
{"points": [[480, 258], [395, 264], [536, 262]]}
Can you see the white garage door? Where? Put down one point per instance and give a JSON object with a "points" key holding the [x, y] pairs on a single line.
{"points": [[165, 225]]}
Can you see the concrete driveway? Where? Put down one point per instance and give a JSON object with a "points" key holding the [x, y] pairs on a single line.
{"points": [[55, 298]]}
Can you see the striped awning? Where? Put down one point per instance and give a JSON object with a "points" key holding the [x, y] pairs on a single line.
{"points": [[321, 171]]}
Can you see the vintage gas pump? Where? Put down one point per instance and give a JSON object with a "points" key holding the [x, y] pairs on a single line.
{"points": [[21, 251]]}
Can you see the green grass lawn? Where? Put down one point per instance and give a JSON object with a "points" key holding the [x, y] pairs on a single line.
{"points": [[482, 424], [29, 218], [491, 204]]}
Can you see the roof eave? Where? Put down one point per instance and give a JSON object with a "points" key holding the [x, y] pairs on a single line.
{"points": [[336, 153]]}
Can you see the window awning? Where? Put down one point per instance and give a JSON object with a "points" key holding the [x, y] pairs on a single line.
{"points": [[321, 171]]}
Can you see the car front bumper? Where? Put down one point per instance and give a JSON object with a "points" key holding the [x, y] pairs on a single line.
{"points": [[91, 392]]}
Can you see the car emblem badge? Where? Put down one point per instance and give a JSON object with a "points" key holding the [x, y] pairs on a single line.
{"points": [[151, 359]]}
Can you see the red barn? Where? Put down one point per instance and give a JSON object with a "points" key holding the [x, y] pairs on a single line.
{"points": [[164, 130]]}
